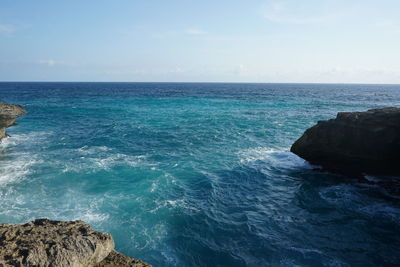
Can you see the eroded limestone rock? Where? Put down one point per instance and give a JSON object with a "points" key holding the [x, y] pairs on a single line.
{"points": [[55, 243], [8, 114]]}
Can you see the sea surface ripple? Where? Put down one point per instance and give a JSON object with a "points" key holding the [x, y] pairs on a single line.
{"points": [[191, 174]]}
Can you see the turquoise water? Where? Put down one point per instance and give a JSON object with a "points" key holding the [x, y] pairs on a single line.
{"points": [[196, 174]]}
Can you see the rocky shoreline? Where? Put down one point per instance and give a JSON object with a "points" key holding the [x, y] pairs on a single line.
{"points": [[354, 143], [44, 242], [8, 114]]}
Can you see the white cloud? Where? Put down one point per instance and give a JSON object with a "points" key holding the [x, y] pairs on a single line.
{"points": [[52, 63], [6, 28], [47, 62], [195, 32], [281, 12]]}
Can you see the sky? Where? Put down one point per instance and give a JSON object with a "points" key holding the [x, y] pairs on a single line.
{"points": [[310, 41]]}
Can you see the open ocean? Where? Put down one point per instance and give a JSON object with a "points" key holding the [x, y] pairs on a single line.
{"points": [[196, 174]]}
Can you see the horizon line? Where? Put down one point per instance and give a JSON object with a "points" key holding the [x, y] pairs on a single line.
{"points": [[196, 82]]}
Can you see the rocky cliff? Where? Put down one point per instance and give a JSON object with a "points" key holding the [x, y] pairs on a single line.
{"points": [[8, 114], [55, 243], [354, 142]]}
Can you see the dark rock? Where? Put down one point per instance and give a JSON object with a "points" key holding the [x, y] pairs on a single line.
{"points": [[8, 113], [354, 143], [55, 243]]}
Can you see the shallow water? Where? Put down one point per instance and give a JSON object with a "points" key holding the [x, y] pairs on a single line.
{"points": [[196, 174]]}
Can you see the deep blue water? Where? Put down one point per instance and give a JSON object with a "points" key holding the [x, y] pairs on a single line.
{"points": [[192, 174]]}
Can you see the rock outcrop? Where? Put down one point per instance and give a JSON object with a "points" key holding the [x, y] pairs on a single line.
{"points": [[117, 259], [354, 143], [8, 114], [55, 243]]}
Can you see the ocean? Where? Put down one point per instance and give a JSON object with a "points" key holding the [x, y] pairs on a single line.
{"points": [[196, 174]]}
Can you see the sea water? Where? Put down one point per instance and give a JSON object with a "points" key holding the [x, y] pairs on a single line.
{"points": [[196, 174]]}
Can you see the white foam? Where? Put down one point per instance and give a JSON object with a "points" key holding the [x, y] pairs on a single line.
{"points": [[92, 217], [74, 205], [306, 250], [7, 142], [18, 159], [80, 206], [116, 159], [86, 150], [271, 157], [25, 139], [176, 203], [149, 237], [99, 158], [16, 169], [15, 164], [258, 153], [153, 187], [173, 204]]}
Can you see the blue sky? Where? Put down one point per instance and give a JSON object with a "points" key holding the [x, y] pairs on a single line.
{"points": [[332, 41]]}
